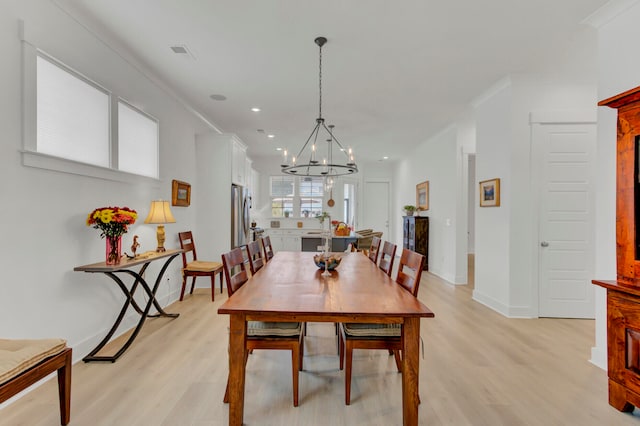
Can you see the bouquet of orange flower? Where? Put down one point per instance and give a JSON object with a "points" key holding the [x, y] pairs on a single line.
{"points": [[112, 221]]}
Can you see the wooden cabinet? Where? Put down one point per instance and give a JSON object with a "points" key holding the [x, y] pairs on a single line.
{"points": [[415, 231], [623, 295]]}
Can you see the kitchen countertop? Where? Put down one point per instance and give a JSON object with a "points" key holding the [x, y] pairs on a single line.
{"points": [[319, 235]]}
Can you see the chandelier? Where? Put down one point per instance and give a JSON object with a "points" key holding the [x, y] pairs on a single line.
{"points": [[314, 160]]}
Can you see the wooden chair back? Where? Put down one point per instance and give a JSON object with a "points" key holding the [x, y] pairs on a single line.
{"points": [[189, 246], [387, 256], [268, 249], [234, 270], [374, 249], [256, 259], [410, 271]]}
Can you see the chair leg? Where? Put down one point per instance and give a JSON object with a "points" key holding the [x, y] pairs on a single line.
{"points": [[193, 284], [184, 284], [301, 353], [221, 278], [295, 364], [347, 373], [396, 354], [64, 389], [341, 351], [213, 287]]}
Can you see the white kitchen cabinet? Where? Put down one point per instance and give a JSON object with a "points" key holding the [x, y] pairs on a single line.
{"points": [[217, 158], [291, 242], [286, 239], [239, 162]]}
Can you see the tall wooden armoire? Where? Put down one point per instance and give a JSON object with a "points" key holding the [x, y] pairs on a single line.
{"points": [[623, 295], [415, 237]]}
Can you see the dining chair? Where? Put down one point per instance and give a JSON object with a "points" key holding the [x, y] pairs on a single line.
{"points": [[374, 249], [192, 267], [256, 259], [260, 334], [268, 249], [387, 256], [380, 336]]}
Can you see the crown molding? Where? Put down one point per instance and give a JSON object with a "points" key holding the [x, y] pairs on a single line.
{"points": [[608, 12]]}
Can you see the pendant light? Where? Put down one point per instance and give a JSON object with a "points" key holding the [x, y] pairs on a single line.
{"points": [[315, 160]]}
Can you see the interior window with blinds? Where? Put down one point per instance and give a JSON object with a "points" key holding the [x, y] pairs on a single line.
{"points": [[72, 116], [282, 195], [311, 193], [137, 141], [71, 120]]}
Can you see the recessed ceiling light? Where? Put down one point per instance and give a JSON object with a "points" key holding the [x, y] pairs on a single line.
{"points": [[271, 136], [278, 149], [217, 97], [385, 158], [255, 109]]}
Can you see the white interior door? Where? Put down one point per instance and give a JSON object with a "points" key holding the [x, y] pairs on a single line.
{"points": [[566, 154], [375, 214]]}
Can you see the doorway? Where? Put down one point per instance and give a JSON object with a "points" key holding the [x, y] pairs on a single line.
{"points": [[375, 212]]}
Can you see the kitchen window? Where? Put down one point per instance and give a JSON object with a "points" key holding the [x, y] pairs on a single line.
{"points": [[293, 196], [282, 196], [311, 196]]}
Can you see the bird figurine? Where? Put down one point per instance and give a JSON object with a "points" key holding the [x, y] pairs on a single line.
{"points": [[135, 245]]}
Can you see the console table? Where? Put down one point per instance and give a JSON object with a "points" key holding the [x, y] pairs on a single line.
{"points": [[125, 268]]}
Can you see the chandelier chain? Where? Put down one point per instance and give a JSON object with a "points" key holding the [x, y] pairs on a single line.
{"points": [[320, 84]]}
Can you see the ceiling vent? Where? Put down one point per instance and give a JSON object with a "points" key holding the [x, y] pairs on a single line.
{"points": [[182, 50]]}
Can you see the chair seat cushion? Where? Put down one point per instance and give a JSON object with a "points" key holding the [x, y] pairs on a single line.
{"points": [[372, 330], [282, 329], [17, 356], [202, 266]]}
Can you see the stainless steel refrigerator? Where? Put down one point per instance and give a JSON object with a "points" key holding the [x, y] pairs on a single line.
{"points": [[240, 205]]}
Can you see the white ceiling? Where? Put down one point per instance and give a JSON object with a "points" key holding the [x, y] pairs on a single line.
{"points": [[394, 72]]}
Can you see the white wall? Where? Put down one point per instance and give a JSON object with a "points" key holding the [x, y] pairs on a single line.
{"points": [[44, 212], [435, 160], [505, 238], [493, 224]]}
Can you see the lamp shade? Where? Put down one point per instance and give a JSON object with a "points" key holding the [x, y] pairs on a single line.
{"points": [[159, 212]]}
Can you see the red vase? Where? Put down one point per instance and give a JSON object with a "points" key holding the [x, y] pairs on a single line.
{"points": [[114, 249]]}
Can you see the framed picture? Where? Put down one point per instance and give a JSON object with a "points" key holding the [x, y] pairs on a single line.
{"points": [[180, 193], [490, 193], [422, 195]]}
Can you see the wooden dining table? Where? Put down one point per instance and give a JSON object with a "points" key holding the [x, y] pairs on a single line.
{"points": [[290, 287]]}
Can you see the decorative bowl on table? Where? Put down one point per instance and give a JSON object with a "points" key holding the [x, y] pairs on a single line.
{"points": [[333, 260]]}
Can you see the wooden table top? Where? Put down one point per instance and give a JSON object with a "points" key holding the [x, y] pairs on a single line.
{"points": [[127, 263], [292, 283]]}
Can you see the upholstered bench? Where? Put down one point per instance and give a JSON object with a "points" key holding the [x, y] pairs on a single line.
{"points": [[25, 362]]}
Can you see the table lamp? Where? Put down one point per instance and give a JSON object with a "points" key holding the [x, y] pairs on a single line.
{"points": [[160, 213]]}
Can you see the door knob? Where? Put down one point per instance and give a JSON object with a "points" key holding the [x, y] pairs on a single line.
{"points": [[544, 244]]}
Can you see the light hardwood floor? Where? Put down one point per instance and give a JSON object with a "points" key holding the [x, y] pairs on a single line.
{"points": [[479, 368]]}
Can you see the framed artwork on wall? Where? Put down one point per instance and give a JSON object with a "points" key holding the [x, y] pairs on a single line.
{"points": [[422, 195], [180, 193], [490, 193]]}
